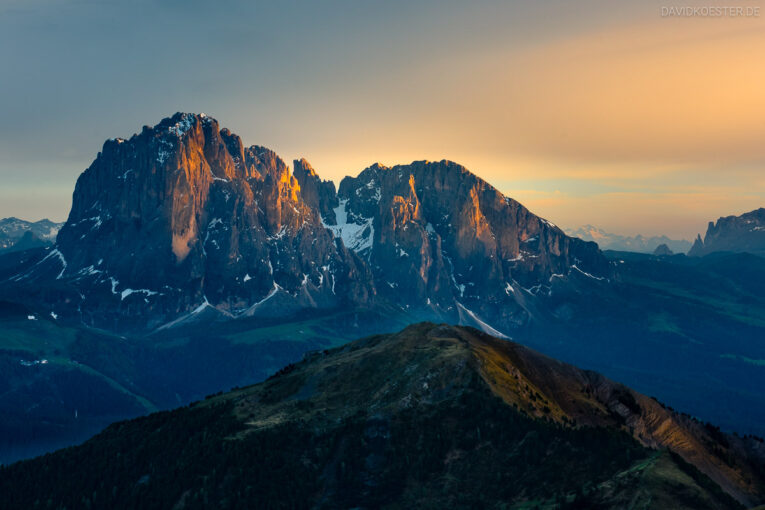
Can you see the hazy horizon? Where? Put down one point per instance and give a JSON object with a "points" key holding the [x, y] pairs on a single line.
{"points": [[595, 113]]}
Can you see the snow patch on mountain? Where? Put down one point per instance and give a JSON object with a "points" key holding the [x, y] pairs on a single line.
{"points": [[485, 327], [147, 292], [356, 235]]}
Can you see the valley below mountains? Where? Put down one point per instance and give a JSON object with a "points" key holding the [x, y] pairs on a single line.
{"points": [[191, 264], [435, 416]]}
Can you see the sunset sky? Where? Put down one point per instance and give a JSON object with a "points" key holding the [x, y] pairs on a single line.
{"points": [[595, 112]]}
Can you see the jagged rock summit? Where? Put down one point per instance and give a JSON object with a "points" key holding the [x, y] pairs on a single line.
{"points": [[745, 233], [182, 219], [433, 232]]}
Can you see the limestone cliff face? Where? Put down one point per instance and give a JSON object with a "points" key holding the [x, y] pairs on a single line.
{"points": [[318, 194], [182, 218], [442, 236], [183, 215]]}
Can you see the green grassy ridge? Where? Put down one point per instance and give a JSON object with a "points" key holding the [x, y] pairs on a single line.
{"points": [[465, 452], [288, 467]]}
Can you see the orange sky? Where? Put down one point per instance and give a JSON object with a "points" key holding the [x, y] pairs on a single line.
{"points": [[592, 111], [655, 126]]}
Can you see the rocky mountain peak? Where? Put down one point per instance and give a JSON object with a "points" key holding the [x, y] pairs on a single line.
{"points": [[317, 194], [303, 167], [436, 234], [698, 247], [744, 233], [183, 216]]}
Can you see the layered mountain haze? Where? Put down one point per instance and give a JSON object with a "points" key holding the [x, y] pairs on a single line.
{"points": [[182, 219], [19, 235], [617, 242], [435, 415]]}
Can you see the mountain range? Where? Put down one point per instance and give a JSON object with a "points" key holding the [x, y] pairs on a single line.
{"points": [[19, 235], [435, 416], [190, 263], [183, 219], [638, 243]]}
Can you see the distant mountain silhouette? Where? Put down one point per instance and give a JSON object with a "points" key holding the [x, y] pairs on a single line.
{"points": [[745, 233], [638, 243], [663, 250], [18, 235]]}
